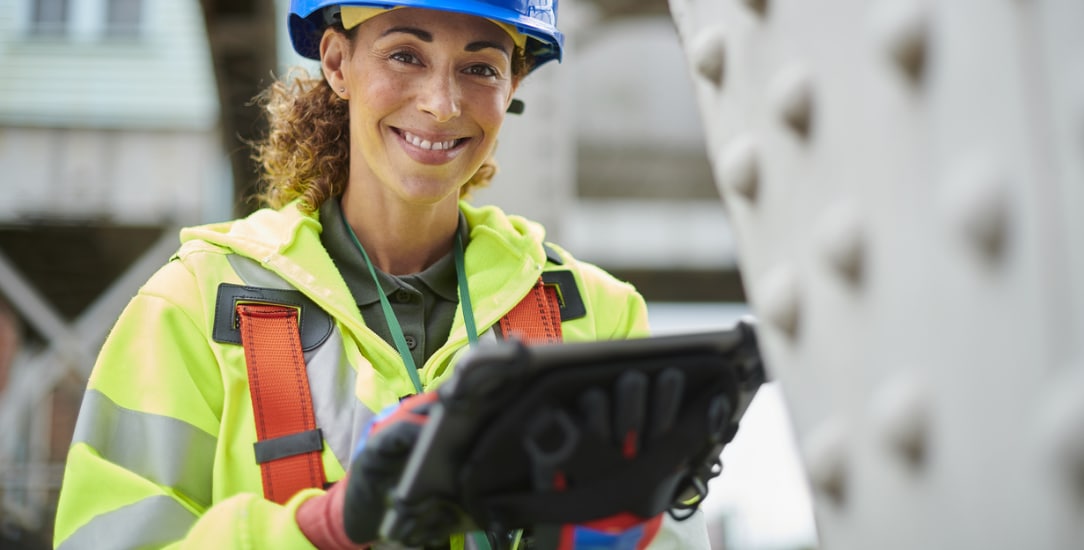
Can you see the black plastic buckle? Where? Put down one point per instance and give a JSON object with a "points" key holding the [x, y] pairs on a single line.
{"points": [[568, 294], [314, 324]]}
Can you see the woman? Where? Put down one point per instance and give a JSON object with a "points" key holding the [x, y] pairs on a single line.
{"points": [[366, 233]]}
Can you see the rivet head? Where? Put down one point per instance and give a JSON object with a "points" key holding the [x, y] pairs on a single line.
{"points": [[902, 415], [904, 31], [759, 6], [1062, 431], [738, 168], [709, 55], [843, 240], [794, 100], [779, 300], [979, 206], [825, 453]]}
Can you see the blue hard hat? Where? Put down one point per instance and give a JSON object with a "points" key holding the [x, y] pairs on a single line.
{"points": [[537, 19]]}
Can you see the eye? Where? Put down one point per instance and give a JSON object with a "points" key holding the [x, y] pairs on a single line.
{"points": [[405, 57], [481, 69]]}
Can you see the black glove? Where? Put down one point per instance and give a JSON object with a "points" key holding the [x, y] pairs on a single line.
{"points": [[622, 418], [378, 464]]}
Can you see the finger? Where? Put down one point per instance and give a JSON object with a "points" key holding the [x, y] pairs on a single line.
{"points": [[595, 407], [669, 386], [630, 410]]}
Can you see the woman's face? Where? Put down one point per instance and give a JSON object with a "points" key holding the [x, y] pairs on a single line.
{"points": [[428, 93]]}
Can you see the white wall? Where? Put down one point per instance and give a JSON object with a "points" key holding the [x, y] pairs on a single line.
{"points": [[160, 77]]}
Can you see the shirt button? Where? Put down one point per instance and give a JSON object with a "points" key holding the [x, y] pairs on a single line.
{"points": [[411, 342], [402, 296]]}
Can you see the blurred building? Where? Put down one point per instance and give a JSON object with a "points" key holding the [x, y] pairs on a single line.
{"points": [[610, 156], [108, 143]]}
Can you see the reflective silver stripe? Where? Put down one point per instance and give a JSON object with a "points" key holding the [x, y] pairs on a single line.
{"points": [[253, 274], [339, 414], [151, 522], [166, 451], [490, 335]]}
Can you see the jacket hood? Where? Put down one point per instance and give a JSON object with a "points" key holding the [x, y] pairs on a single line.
{"points": [[263, 233], [267, 233]]}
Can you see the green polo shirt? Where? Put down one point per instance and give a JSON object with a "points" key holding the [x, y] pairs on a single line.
{"points": [[424, 303]]}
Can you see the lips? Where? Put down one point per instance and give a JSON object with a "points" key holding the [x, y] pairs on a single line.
{"points": [[428, 145], [431, 149]]}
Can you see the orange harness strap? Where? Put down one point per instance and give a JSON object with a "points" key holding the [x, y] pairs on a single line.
{"points": [[288, 446], [536, 319]]}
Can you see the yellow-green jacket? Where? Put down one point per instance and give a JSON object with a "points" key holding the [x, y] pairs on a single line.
{"points": [[163, 449]]}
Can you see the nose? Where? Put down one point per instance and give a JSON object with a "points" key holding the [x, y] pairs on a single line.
{"points": [[440, 96]]}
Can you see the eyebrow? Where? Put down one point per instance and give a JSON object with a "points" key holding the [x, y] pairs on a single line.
{"points": [[426, 36], [483, 44]]}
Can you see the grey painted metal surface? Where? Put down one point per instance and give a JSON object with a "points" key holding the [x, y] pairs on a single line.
{"points": [[905, 179]]}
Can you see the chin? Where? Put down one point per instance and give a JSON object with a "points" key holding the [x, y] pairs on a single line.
{"points": [[428, 192]]}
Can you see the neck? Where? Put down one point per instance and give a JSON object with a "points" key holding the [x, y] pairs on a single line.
{"points": [[402, 240]]}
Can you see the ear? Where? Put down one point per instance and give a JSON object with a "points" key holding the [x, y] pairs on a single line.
{"points": [[334, 52]]}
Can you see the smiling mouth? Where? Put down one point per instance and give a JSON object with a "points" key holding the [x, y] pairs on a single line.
{"points": [[428, 145]]}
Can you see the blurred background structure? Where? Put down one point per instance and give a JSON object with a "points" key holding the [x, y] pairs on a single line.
{"points": [[109, 141], [123, 120]]}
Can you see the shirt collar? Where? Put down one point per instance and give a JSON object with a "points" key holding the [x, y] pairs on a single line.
{"points": [[440, 277]]}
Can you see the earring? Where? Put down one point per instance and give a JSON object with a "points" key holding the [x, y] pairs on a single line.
{"points": [[342, 90]]}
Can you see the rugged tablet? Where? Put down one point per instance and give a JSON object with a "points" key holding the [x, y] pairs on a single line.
{"points": [[563, 433]]}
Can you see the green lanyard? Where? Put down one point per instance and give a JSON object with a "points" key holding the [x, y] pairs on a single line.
{"points": [[400, 340], [393, 322]]}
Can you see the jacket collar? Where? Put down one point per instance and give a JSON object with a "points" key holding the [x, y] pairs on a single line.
{"points": [[503, 261]]}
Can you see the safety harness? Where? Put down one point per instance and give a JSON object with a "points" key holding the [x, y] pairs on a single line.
{"points": [[288, 442], [268, 325]]}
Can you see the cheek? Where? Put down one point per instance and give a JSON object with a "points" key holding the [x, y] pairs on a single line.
{"points": [[375, 93], [491, 112], [496, 120]]}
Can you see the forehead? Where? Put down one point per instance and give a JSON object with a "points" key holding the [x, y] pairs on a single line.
{"points": [[439, 24]]}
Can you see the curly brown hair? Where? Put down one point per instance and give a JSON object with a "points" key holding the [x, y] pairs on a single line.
{"points": [[307, 148]]}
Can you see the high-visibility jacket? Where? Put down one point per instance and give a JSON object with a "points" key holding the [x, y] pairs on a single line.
{"points": [[162, 454]]}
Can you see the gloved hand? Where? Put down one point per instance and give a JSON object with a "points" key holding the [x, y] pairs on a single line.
{"points": [[349, 514], [629, 418]]}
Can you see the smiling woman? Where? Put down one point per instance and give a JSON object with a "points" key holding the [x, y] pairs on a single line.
{"points": [[428, 94], [251, 369], [420, 96]]}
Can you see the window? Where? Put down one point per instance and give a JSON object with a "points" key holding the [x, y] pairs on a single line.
{"points": [[50, 16], [123, 17]]}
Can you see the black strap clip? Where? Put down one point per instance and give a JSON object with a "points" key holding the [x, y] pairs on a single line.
{"points": [[315, 324], [568, 294], [289, 445]]}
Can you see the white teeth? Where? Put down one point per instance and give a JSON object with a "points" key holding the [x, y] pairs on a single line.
{"points": [[426, 144]]}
